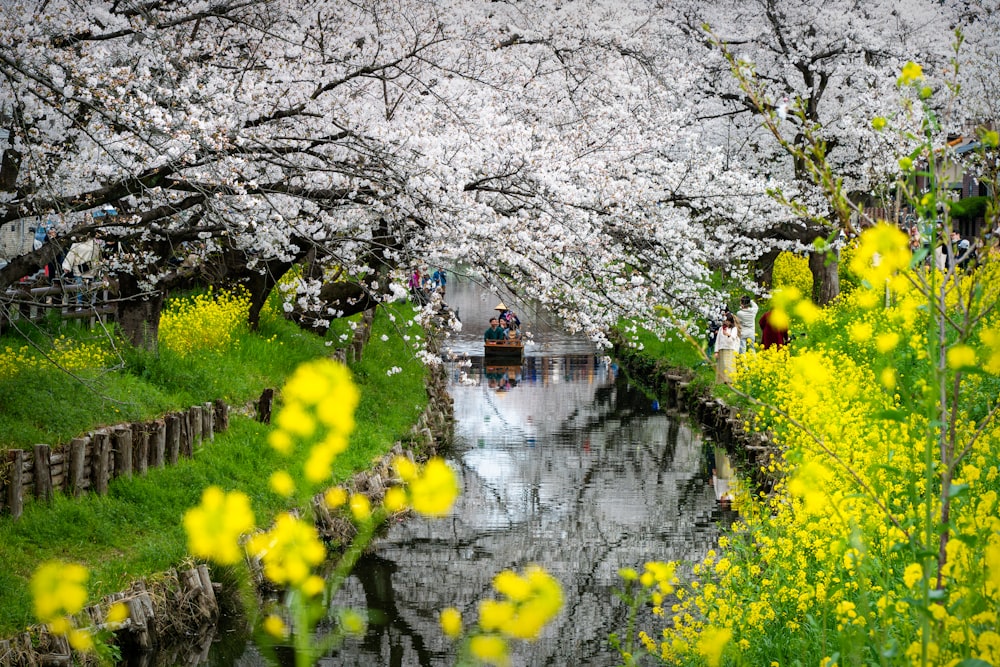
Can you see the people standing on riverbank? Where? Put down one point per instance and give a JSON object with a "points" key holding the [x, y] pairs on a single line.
{"points": [[440, 280], [727, 344], [714, 324], [746, 317]]}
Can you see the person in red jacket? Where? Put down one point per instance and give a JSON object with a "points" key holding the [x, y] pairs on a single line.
{"points": [[771, 334]]}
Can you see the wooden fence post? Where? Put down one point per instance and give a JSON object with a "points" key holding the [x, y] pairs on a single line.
{"points": [[100, 463], [157, 444], [15, 486], [140, 448], [121, 439], [43, 472], [221, 416], [173, 437], [194, 420], [77, 465], [187, 446], [207, 422]]}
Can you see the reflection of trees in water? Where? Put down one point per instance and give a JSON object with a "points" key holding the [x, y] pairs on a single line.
{"points": [[390, 634], [610, 484]]}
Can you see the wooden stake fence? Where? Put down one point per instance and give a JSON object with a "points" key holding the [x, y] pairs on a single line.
{"points": [[90, 462]]}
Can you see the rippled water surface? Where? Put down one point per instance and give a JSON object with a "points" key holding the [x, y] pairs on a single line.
{"points": [[562, 463]]}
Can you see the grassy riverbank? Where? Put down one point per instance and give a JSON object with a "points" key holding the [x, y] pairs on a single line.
{"points": [[135, 531]]}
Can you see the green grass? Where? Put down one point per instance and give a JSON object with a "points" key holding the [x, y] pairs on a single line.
{"points": [[135, 530]]}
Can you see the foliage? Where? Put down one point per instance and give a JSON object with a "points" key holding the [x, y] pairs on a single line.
{"points": [[203, 322], [792, 270], [97, 379]]}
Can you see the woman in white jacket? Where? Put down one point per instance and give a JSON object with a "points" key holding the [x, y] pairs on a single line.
{"points": [[727, 344]]}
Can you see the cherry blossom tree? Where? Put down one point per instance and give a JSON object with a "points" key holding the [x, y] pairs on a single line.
{"points": [[575, 151], [825, 69]]}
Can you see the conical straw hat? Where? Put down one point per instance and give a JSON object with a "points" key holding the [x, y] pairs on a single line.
{"points": [[500, 306]]}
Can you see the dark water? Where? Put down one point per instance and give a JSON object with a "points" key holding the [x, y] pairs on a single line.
{"points": [[562, 463]]}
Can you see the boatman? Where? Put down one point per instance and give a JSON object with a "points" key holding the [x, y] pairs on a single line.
{"points": [[495, 332]]}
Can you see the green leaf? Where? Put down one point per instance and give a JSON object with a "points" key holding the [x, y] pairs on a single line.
{"points": [[891, 649], [973, 662], [891, 415], [957, 490]]}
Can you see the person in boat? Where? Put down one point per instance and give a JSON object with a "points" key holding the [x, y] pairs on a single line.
{"points": [[511, 319], [495, 332]]}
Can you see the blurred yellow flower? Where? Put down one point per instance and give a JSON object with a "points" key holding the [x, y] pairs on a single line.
{"points": [[961, 356], [490, 649], [282, 483], [335, 497], [275, 626], [352, 622], [886, 341], [882, 252], [116, 615], [451, 622], [712, 643], [216, 525], [361, 507], [80, 639], [433, 493], [533, 599], [58, 589], [395, 499], [289, 550]]}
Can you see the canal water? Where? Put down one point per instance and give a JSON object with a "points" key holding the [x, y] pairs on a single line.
{"points": [[562, 463]]}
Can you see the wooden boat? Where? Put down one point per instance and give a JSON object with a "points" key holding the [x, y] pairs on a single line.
{"points": [[503, 348]]}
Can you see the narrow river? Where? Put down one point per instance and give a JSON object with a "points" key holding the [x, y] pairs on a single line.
{"points": [[562, 463]]}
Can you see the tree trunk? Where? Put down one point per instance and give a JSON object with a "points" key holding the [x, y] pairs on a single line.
{"points": [[764, 268], [139, 313], [826, 280], [260, 285]]}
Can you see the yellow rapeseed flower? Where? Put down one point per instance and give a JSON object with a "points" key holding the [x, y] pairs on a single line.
{"points": [[275, 626], [80, 639], [451, 622], [533, 599], [712, 643], [116, 615], [216, 525], [395, 499], [282, 483], [335, 497], [361, 507], [318, 407], [490, 649], [961, 356], [352, 622], [289, 550], [434, 491], [886, 341], [911, 72], [58, 589], [882, 252]]}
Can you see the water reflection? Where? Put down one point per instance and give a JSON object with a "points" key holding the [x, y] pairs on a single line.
{"points": [[568, 467], [562, 463]]}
